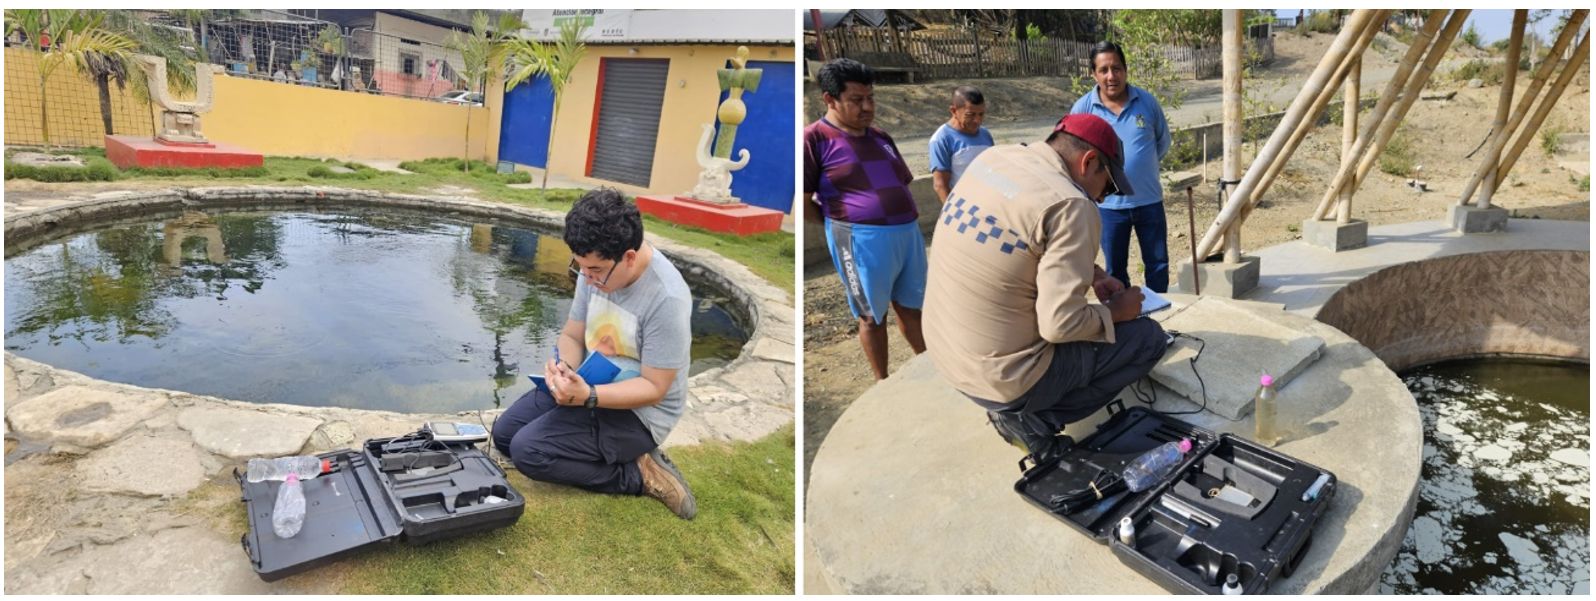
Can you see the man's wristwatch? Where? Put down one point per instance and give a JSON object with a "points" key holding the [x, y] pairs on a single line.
{"points": [[592, 397]]}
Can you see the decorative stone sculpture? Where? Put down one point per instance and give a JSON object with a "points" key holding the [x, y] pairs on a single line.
{"points": [[180, 121], [714, 182]]}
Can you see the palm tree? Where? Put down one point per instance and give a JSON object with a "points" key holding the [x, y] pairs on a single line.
{"points": [[530, 58], [72, 37], [482, 47]]}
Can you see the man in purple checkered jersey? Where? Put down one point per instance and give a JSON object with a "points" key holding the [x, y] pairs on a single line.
{"points": [[855, 176]]}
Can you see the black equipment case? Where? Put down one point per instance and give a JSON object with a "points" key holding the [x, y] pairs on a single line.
{"points": [[1231, 507], [359, 504]]}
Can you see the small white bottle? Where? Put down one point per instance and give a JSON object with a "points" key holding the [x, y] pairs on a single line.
{"points": [[1265, 431], [1232, 585], [1127, 531]]}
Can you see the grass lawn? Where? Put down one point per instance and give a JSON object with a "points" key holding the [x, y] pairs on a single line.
{"points": [[771, 256]]}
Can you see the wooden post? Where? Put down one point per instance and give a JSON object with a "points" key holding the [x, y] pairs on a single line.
{"points": [[820, 34], [1545, 108], [1299, 108], [1422, 42], [1230, 171], [1499, 140], [1319, 102], [1504, 103], [1349, 134], [1404, 78]]}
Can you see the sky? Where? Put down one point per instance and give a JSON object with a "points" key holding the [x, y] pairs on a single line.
{"points": [[1493, 25]]}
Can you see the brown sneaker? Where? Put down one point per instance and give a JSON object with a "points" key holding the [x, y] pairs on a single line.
{"points": [[663, 481]]}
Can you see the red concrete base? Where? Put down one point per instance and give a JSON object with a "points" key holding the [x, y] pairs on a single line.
{"points": [[136, 151], [740, 219]]}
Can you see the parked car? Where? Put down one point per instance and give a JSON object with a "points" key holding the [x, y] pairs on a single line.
{"points": [[460, 97]]}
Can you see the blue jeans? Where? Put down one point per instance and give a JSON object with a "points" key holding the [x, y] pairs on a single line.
{"points": [[595, 449], [1152, 233]]}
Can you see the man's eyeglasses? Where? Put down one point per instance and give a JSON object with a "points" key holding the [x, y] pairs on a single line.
{"points": [[576, 270], [1112, 188]]}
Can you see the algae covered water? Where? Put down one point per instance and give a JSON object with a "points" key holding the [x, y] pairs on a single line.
{"points": [[1504, 501], [374, 310]]}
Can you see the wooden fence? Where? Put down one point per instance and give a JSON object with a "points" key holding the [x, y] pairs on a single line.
{"points": [[965, 54]]}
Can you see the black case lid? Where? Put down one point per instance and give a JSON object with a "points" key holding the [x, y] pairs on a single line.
{"points": [[340, 517]]}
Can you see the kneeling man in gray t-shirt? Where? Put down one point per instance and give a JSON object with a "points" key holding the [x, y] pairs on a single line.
{"points": [[633, 307]]}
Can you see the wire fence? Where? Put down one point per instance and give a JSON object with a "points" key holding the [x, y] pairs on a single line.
{"points": [[300, 50], [259, 44], [971, 53]]}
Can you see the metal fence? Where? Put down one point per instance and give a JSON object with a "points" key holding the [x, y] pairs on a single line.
{"points": [[77, 115], [958, 54], [299, 50]]}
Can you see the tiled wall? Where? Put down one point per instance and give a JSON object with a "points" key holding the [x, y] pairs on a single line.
{"points": [[1533, 303]]}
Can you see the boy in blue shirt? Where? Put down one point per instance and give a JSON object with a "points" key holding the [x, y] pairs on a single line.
{"points": [[963, 130], [1139, 121]]}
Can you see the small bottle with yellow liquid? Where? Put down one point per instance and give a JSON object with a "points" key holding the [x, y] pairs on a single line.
{"points": [[1263, 412]]}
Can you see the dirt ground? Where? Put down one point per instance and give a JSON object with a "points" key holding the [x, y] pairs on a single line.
{"points": [[1440, 133]]}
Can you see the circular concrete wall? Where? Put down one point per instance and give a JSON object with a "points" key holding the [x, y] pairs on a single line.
{"points": [[1529, 303]]}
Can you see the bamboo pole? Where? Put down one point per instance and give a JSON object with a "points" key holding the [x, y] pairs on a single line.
{"points": [[1500, 138], [1504, 102], [1387, 126], [1545, 108], [1365, 38], [1299, 107], [1233, 121], [1393, 88], [1349, 134]]}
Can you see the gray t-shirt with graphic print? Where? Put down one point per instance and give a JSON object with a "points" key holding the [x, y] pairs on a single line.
{"points": [[646, 323]]}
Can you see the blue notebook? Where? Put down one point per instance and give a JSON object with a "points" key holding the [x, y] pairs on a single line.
{"points": [[596, 369]]}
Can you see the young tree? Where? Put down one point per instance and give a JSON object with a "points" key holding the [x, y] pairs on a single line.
{"points": [[480, 49], [72, 37], [529, 58]]}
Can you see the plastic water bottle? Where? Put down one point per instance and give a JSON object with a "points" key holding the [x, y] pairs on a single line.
{"points": [[1263, 412], [1149, 469], [305, 466], [288, 513]]}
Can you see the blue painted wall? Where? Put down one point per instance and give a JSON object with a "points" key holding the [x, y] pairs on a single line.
{"points": [[770, 135], [524, 131]]}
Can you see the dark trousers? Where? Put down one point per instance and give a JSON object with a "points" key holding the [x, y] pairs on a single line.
{"points": [[595, 449], [1084, 377], [1152, 234]]}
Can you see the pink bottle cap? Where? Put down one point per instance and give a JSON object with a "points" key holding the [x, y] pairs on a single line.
{"points": [[293, 478], [1185, 445], [1266, 380]]}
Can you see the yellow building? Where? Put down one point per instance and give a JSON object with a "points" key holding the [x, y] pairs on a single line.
{"points": [[635, 106]]}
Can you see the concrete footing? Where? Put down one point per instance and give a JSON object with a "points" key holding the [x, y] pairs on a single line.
{"points": [[1229, 280], [1473, 220], [1336, 236]]}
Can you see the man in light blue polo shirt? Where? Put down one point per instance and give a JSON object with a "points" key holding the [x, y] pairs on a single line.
{"points": [[963, 130], [1142, 129]]}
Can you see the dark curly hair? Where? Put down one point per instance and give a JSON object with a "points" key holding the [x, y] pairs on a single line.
{"points": [[836, 75], [603, 221]]}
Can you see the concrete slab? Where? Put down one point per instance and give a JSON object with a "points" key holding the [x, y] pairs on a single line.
{"points": [[244, 433], [926, 505], [1304, 277], [1238, 345], [81, 417], [144, 466]]}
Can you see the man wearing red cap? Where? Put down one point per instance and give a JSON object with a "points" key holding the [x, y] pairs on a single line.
{"points": [[1007, 318]]}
